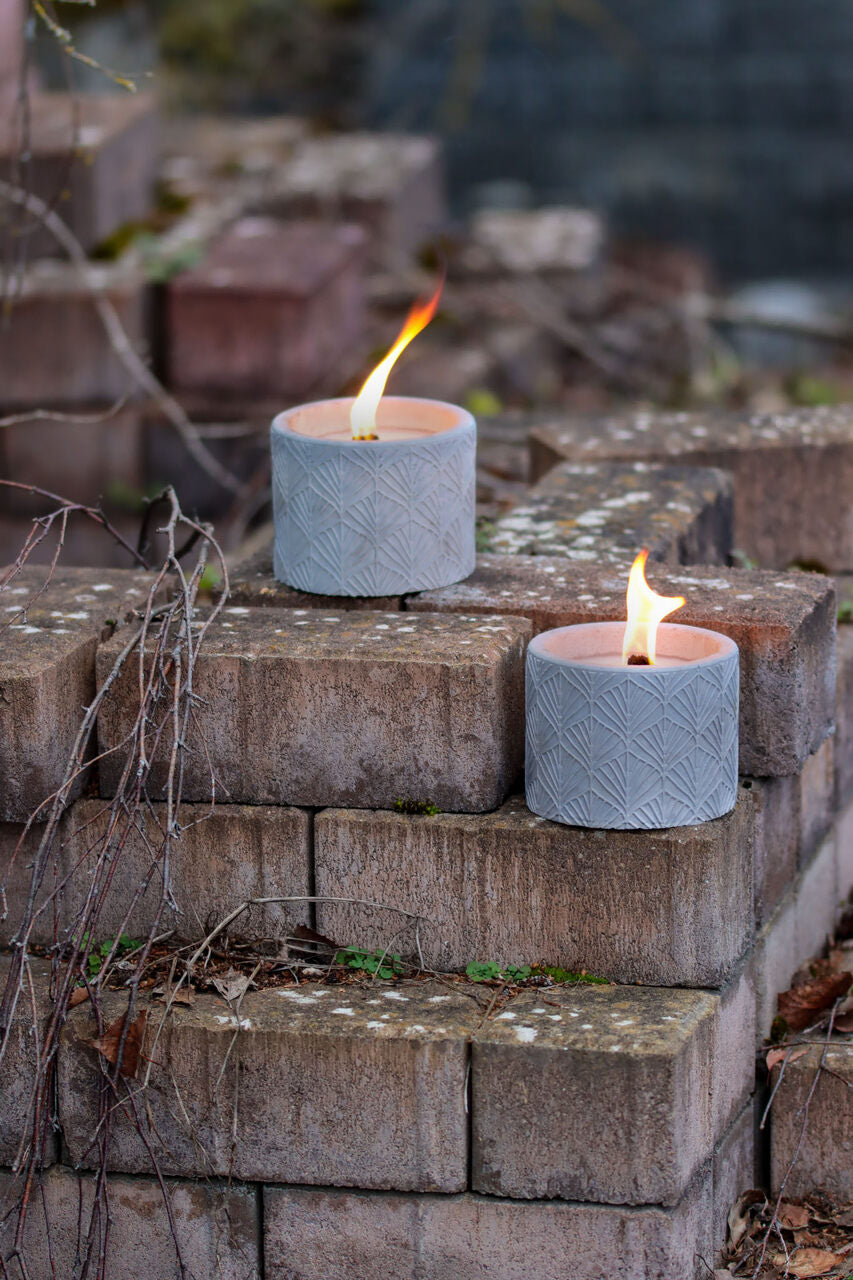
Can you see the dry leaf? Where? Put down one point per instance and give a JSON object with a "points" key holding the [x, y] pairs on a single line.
{"points": [[307, 944], [844, 1218], [78, 995], [174, 995], [813, 1262], [108, 1044], [233, 986], [738, 1221], [801, 1005], [775, 1056], [794, 1216]]}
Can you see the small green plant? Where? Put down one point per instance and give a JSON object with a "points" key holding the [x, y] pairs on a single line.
{"points": [[161, 266], [845, 612], [483, 403], [376, 963], [483, 534], [742, 561], [210, 579], [98, 955], [560, 976], [489, 971], [417, 806]]}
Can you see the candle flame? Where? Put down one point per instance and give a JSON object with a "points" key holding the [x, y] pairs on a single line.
{"points": [[366, 403], [645, 610]]}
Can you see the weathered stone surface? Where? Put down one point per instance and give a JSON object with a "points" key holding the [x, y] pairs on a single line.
{"points": [[222, 859], [351, 708], [784, 626], [393, 184], [349, 1086], [817, 798], [268, 311], [56, 351], [252, 583], [615, 1104], [734, 1170], [534, 241], [820, 1141], [844, 717], [604, 513], [11, 49], [818, 901], [664, 907], [204, 152], [17, 1069], [844, 855], [775, 962], [216, 1228], [316, 1234], [93, 156], [47, 673], [792, 470], [733, 1064]]}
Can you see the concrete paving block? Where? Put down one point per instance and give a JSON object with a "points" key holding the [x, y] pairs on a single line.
{"points": [[611, 1101], [792, 470], [844, 717], [217, 1228], [11, 50], [844, 853], [92, 156], [252, 583], [47, 673], [824, 1133], [734, 1170], [268, 311], [733, 1060], [17, 1069], [604, 513], [783, 624], [777, 839], [350, 1086], [817, 901], [817, 798], [351, 708], [669, 908], [392, 184], [775, 961], [223, 858], [56, 351], [316, 1234]]}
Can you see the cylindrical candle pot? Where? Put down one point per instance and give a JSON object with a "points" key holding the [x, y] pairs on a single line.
{"points": [[373, 517], [631, 747]]}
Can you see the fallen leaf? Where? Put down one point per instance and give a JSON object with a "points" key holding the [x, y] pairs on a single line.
{"points": [[108, 1044], [775, 1056], [307, 944], [844, 1218], [174, 995], [801, 1005], [813, 1262], [233, 986], [794, 1216], [78, 995], [738, 1221]]}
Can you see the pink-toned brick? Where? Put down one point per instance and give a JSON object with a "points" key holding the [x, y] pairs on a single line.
{"points": [[818, 1143]]}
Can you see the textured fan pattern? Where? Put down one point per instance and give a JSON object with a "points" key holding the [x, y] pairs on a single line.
{"points": [[373, 521], [631, 748]]}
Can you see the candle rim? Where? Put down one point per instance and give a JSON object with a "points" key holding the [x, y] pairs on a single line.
{"points": [[727, 647], [465, 421]]}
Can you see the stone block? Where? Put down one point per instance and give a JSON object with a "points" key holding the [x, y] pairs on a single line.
{"points": [[817, 902], [222, 859], [17, 1069], [360, 1085], [668, 908], [315, 1234], [733, 1059], [792, 470], [784, 626], [351, 708], [252, 583], [613, 1102], [817, 798], [93, 462], [819, 1141], [392, 184], [604, 513], [844, 854], [47, 674], [216, 1228], [734, 1169], [551, 242], [268, 311], [844, 718], [775, 962], [11, 50], [92, 156], [777, 839], [56, 351], [86, 544]]}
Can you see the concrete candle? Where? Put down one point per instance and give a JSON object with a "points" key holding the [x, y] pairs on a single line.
{"points": [[373, 496], [612, 745]]}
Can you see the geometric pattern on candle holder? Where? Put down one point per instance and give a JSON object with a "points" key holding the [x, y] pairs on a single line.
{"points": [[631, 748], [373, 522]]}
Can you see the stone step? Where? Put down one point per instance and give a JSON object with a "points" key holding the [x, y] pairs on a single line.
{"points": [[47, 673], [301, 707], [604, 513], [811, 1122], [269, 309], [791, 469], [92, 156], [783, 624]]}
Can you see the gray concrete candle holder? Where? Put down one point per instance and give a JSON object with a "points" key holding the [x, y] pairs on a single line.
{"points": [[373, 517], [634, 747]]}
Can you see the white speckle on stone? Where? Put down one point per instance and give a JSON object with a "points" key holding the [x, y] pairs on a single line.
{"points": [[303, 623], [300, 610], [555, 1017], [586, 1026], [375, 1026], [540, 1011], [371, 1002], [78, 617], [394, 995], [526, 1034], [744, 597], [614, 1048], [416, 1027], [102, 586], [573, 1014], [236, 608], [345, 1009], [405, 628], [331, 619], [506, 1017], [667, 1017], [625, 1022], [788, 586], [27, 630], [437, 999], [299, 997]]}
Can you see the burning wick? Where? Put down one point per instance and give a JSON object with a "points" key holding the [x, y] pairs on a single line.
{"points": [[366, 403], [645, 610]]}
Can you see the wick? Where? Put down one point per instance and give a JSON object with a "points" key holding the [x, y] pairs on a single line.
{"points": [[368, 437], [638, 660]]}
